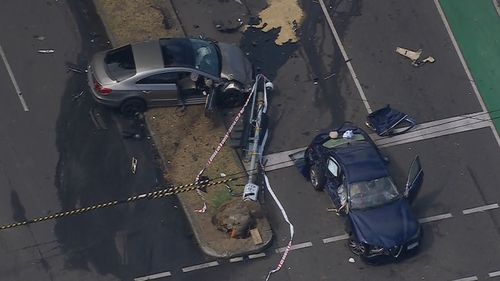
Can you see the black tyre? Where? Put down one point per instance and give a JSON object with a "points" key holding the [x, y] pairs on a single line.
{"points": [[231, 98], [317, 177], [132, 106]]}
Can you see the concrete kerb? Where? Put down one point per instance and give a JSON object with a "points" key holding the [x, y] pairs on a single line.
{"points": [[496, 3], [204, 245]]}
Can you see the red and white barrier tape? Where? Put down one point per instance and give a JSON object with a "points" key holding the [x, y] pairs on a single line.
{"points": [[285, 216], [224, 139]]}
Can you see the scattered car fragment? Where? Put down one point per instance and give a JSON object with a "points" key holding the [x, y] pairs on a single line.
{"points": [[170, 72], [348, 164], [414, 56], [389, 122]]}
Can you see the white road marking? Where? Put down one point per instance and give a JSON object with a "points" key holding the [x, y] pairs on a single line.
{"points": [[346, 58], [295, 247], [494, 274], [433, 129], [13, 79], [438, 128], [466, 68], [480, 209], [471, 278], [435, 218], [200, 266], [237, 259], [336, 238], [255, 256], [154, 276]]}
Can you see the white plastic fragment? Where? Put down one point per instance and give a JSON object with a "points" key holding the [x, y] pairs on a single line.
{"points": [[351, 260], [46, 51]]}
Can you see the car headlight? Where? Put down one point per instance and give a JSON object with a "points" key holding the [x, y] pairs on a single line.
{"points": [[376, 250]]}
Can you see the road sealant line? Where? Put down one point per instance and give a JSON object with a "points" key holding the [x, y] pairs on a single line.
{"points": [[336, 238], [154, 276], [256, 256], [200, 266], [295, 247], [435, 218], [464, 65], [494, 274], [470, 278], [480, 209]]}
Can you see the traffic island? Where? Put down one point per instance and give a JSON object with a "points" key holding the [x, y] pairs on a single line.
{"points": [[185, 140]]}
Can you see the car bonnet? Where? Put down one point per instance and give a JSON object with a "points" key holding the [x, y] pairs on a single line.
{"points": [[387, 226], [235, 65]]}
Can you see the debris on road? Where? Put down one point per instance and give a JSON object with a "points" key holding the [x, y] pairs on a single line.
{"points": [[228, 26], [39, 37], [414, 56], [134, 165], [46, 51], [388, 122], [75, 68], [351, 260], [77, 96]]}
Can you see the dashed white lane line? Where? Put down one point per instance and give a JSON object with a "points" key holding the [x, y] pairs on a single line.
{"points": [[435, 218], [154, 276], [13, 79], [346, 58], [200, 266], [471, 278], [494, 274], [295, 247], [336, 238], [237, 259], [480, 209], [256, 256]]}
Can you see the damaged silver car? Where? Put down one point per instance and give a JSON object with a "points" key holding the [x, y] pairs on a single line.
{"points": [[170, 72]]}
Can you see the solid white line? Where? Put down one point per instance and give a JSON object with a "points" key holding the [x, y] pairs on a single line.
{"points": [[494, 274], [464, 65], [438, 128], [346, 58], [200, 266], [435, 218], [13, 79], [237, 259], [336, 238], [480, 209], [295, 247], [255, 256], [153, 276], [471, 278], [433, 129]]}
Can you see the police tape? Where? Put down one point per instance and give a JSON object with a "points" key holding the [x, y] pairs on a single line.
{"points": [[150, 195]]}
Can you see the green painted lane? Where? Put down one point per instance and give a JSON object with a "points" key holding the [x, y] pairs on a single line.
{"points": [[476, 27]]}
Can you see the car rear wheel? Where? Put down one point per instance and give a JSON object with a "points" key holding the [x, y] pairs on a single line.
{"points": [[356, 247], [132, 106], [231, 98], [317, 177]]}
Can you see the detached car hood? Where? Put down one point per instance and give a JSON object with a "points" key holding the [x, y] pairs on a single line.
{"points": [[235, 65], [386, 226]]}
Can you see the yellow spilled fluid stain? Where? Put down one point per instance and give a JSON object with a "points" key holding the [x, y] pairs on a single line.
{"points": [[284, 14]]}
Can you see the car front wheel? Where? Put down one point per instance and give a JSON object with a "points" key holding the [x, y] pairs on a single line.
{"points": [[132, 106], [356, 247], [317, 178], [231, 98]]}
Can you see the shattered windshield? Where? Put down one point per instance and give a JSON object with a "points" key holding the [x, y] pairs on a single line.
{"points": [[206, 57], [373, 193]]}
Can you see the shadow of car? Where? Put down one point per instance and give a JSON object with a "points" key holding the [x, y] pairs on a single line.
{"points": [[170, 72], [349, 166]]}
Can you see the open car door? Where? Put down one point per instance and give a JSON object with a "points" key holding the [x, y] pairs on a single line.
{"points": [[415, 179]]}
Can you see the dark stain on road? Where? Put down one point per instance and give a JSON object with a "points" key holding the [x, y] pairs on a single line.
{"points": [[18, 211]]}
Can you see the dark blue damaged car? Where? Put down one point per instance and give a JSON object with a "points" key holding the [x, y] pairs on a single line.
{"points": [[347, 164]]}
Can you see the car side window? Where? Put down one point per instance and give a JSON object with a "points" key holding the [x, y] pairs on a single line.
{"points": [[333, 167], [162, 78]]}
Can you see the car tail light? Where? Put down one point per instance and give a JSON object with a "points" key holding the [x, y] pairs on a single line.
{"points": [[102, 90]]}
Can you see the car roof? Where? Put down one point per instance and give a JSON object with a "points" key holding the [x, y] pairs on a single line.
{"points": [[162, 53], [360, 161]]}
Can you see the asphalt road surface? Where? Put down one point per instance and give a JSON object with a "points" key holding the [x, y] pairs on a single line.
{"points": [[55, 157], [60, 151]]}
